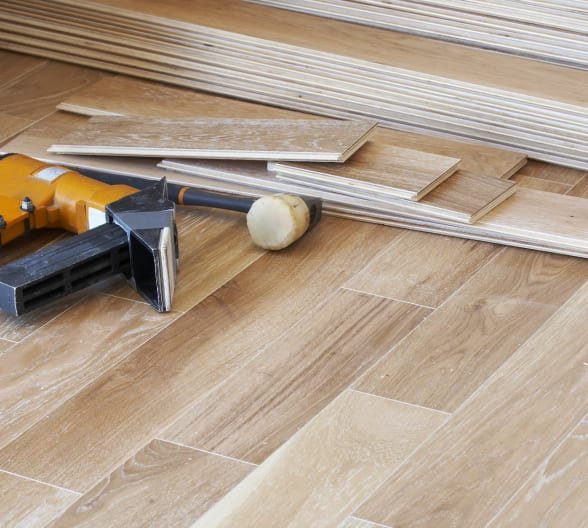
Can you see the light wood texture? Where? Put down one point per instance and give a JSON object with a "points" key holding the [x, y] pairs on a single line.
{"points": [[5, 344], [328, 467], [133, 97], [10, 126], [413, 86], [502, 434], [580, 189], [379, 168], [37, 379], [353, 522], [36, 95], [464, 197], [162, 485], [247, 418], [16, 66], [421, 268], [551, 173], [257, 139], [108, 419], [32, 504], [554, 495], [539, 184], [449, 355]]}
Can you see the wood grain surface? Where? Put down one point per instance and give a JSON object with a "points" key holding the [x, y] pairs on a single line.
{"points": [[257, 139], [110, 418], [554, 495], [551, 173], [354, 522], [162, 485], [500, 435], [10, 126], [37, 379], [15, 66], [24, 502], [421, 268], [346, 450], [133, 97], [381, 168], [261, 406], [541, 184], [444, 361], [5, 345], [580, 189]]}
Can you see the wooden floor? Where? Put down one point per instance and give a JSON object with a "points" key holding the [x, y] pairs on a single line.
{"points": [[366, 377]]}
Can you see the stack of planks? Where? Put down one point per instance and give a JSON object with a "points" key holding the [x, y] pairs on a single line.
{"points": [[552, 31], [317, 65], [394, 178]]}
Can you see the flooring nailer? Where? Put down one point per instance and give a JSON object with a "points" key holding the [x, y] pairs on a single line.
{"points": [[124, 226]]}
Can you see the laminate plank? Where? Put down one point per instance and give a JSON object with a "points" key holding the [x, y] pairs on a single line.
{"points": [[353, 522], [15, 66], [256, 139], [444, 361], [485, 452], [464, 197], [112, 417], [36, 95], [399, 172], [539, 184], [580, 189], [85, 341], [132, 97], [552, 173], [422, 268], [162, 485], [10, 126], [261, 406], [5, 345], [555, 494], [328, 467], [31, 504]]}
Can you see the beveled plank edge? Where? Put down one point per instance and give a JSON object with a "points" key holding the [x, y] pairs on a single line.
{"points": [[30, 479]]}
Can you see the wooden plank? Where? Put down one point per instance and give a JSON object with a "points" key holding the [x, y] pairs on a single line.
{"points": [[36, 95], [133, 97], [5, 344], [114, 416], [580, 189], [354, 522], [328, 467], [10, 126], [388, 170], [15, 66], [422, 268], [256, 139], [539, 184], [24, 502], [464, 197], [37, 379], [444, 361], [551, 173], [485, 452], [261, 406], [163, 484], [554, 495]]}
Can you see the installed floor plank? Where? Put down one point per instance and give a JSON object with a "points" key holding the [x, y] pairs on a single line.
{"points": [[422, 268], [5, 345], [258, 409], [328, 467], [552, 173], [10, 126], [36, 95], [225, 138], [125, 96], [485, 452], [110, 419], [556, 494], [162, 485], [25, 503], [539, 184], [48, 368], [580, 189], [16, 66], [353, 522], [451, 354]]}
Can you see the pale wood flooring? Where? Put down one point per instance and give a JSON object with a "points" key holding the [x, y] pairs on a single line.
{"points": [[366, 377]]}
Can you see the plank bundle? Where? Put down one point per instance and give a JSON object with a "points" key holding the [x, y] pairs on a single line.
{"points": [[317, 65], [554, 31]]}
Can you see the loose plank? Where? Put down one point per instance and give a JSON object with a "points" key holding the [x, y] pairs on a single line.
{"points": [[84, 342], [422, 268], [381, 168], [163, 484], [133, 97], [555, 494], [485, 452], [263, 404], [452, 353], [32, 504], [255, 139], [328, 467], [92, 433]]}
